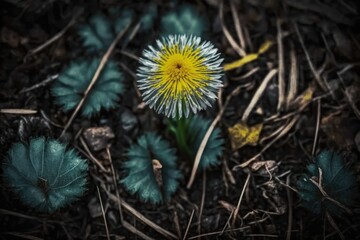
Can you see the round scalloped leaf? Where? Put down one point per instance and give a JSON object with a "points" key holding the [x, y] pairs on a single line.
{"points": [[337, 181], [148, 18], [140, 177], [72, 83], [97, 34], [44, 174], [186, 20], [190, 132], [124, 18]]}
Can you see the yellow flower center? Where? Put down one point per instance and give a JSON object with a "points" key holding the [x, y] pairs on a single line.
{"points": [[181, 73]]}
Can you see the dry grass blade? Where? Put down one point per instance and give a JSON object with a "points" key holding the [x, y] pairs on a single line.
{"points": [[236, 211], [22, 235], [246, 75], [218, 232], [141, 217], [57, 36], [313, 70], [237, 24], [258, 94], [203, 194], [115, 183], [132, 229], [293, 77], [281, 73], [290, 216], [103, 213], [102, 64], [18, 111], [133, 75], [316, 136], [333, 224], [177, 224], [40, 84], [227, 34], [189, 224], [90, 156], [16, 214], [206, 137]]}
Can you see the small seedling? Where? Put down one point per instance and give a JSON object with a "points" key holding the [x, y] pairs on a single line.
{"points": [[190, 132], [45, 175], [328, 186], [151, 169]]}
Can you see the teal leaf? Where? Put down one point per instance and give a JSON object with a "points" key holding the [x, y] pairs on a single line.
{"points": [[337, 181], [148, 18], [44, 174], [124, 18], [140, 177], [97, 34], [72, 83], [186, 20], [189, 133]]}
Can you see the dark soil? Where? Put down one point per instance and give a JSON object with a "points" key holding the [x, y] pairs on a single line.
{"points": [[269, 206]]}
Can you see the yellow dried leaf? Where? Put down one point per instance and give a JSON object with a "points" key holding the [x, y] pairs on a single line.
{"points": [[264, 47], [241, 134], [241, 62], [304, 99], [248, 58]]}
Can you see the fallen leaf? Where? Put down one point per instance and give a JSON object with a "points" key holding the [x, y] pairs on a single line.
{"points": [[241, 134], [269, 165], [303, 99], [248, 58]]}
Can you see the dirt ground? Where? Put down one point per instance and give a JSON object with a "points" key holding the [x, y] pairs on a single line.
{"points": [[303, 90]]}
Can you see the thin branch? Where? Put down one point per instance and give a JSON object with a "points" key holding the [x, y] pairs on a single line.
{"points": [[56, 37], [290, 216], [236, 211], [281, 72], [103, 213], [314, 72], [203, 194], [293, 77], [17, 111], [189, 223], [316, 136], [258, 94], [237, 24], [227, 34]]}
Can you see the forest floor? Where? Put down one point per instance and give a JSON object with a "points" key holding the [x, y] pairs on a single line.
{"points": [[302, 92]]}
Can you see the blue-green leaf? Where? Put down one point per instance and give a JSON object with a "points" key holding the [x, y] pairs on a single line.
{"points": [[148, 18], [337, 181], [44, 174], [186, 20], [72, 83], [140, 177], [97, 34]]}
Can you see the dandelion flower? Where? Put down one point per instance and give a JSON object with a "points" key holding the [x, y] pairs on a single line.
{"points": [[180, 75]]}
